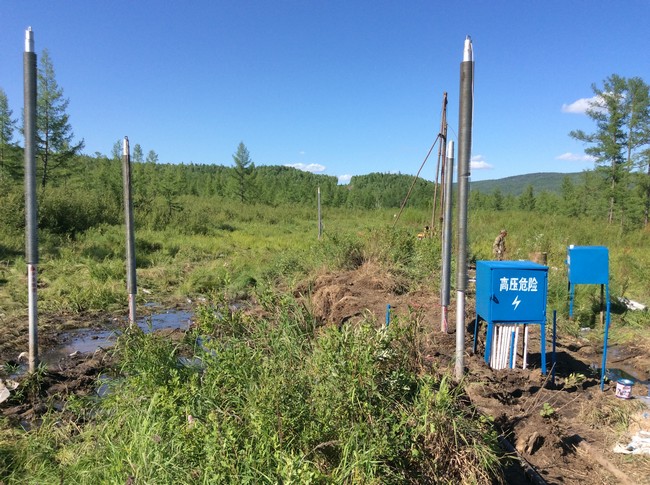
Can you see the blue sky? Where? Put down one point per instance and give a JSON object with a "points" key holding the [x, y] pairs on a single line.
{"points": [[335, 87]]}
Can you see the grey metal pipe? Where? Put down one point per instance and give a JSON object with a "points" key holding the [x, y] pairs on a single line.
{"points": [[31, 211], [130, 236], [464, 153], [446, 237]]}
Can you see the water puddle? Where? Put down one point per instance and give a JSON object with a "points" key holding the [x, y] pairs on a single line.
{"points": [[615, 374], [621, 372], [618, 369], [90, 340]]}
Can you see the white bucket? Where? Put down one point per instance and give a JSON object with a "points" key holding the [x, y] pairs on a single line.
{"points": [[624, 388]]}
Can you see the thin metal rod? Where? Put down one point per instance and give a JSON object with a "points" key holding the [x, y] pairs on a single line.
{"points": [[603, 367], [31, 210], [554, 341], [320, 220], [131, 283], [440, 167], [464, 152], [513, 349], [415, 179]]}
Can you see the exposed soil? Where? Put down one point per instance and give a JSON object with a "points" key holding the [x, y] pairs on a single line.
{"points": [[572, 442], [563, 431]]}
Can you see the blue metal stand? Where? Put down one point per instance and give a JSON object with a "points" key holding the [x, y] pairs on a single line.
{"points": [[590, 265]]}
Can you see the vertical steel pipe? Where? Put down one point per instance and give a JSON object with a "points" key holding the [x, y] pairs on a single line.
{"points": [[464, 153], [31, 211], [131, 283], [446, 237], [320, 220]]}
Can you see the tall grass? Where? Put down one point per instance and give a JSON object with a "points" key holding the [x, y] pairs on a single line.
{"points": [[274, 400]]}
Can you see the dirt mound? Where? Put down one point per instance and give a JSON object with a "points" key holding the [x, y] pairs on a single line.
{"points": [[364, 292]]}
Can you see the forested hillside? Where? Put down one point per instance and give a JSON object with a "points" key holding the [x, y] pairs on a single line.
{"points": [[517, 184], [89, 193]]}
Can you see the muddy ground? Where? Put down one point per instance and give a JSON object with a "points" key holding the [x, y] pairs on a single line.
{"points": [[563, 431]]}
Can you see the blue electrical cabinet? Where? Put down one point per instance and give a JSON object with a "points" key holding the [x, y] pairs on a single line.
{"points": [[511, 292], [588, 265]]}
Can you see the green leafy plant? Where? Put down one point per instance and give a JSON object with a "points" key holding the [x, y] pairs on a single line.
{"points": [[547, 411], [574, 379]]}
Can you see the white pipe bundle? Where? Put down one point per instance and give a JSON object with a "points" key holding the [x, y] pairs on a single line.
{"points": [[505, 340]]}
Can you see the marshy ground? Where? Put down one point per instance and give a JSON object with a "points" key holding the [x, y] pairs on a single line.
{"points": [[565, 430]]}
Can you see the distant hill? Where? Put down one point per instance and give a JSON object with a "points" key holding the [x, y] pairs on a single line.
{"points": [[541, 182]]}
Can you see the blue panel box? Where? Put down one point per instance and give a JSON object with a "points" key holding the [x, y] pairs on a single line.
{"points": [[511, 292], [588, 265]]}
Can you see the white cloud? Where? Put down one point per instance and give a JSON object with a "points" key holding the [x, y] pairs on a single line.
{"points": [[311, 167], [575, 157], [478, 163], [581, 105], [344, 179]]}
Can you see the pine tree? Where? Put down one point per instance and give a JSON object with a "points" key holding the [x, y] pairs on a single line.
{"points": [[138, 154], [152, 157], [53, 131], [116, 151], [639, 138], [9, 158], [621, 112], [243, 172], [527, 199]]}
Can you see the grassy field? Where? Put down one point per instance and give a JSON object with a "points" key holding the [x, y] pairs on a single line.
{"points": [[272, 398], [243, 246]]}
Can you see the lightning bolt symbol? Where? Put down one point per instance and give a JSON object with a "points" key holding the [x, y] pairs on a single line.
{"points": [[516, 301]]}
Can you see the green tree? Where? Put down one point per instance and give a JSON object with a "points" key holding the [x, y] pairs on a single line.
{"points": [[637, 104], [53, 131], [620, 111], [243, 172], [138, 154], [547, 203], [116, 151], [9, 159], [639, 138], [568, 191], [152, 157], [644, 184], [497, 200], [527, 199]]}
